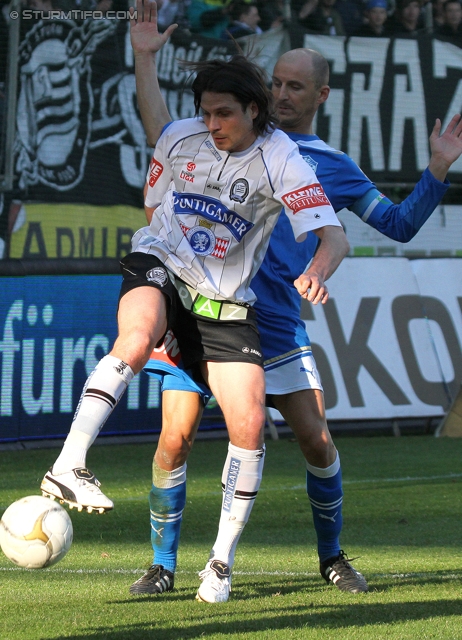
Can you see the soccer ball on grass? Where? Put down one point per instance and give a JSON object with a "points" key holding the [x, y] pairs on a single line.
{"points": [[35, 532]]}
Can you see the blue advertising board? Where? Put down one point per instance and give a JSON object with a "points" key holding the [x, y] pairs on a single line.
{"points": [[53, 331]]}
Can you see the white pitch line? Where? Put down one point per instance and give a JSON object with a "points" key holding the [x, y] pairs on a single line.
{"points": [[447, 476], [297, 487]]}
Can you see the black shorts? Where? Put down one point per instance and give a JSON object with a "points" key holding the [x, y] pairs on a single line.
{"points": [[199, 337]]}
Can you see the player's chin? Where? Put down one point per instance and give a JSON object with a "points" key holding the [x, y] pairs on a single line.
{"points": [[222, 143], [284, 113]]}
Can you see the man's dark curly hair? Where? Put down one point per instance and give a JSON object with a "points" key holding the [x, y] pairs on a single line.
{"points": [[245, 80]]}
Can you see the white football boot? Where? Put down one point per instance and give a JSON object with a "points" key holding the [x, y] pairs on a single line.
{"points": [[216, 582], [78, 488]]}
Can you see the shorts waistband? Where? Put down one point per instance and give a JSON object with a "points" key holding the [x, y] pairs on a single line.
{"points": [[206, 308]]}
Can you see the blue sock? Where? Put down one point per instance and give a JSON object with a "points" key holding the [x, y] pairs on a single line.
{"points": [[324, 487], [167, 500]]}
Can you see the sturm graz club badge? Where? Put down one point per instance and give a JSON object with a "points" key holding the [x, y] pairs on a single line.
{"points": [[239, 190], [157, 275]]}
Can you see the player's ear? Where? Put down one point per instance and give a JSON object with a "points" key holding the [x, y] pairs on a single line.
{"points": [[323, 93], [253, 107]]}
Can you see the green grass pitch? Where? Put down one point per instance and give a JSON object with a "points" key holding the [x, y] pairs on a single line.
{"points": [[402, 518]]}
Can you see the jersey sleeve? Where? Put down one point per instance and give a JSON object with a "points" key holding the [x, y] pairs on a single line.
{"points": [[302, 196], [160, 173], [401, 221]]}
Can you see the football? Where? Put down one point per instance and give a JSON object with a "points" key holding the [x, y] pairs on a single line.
{"points": [[35, 532]]}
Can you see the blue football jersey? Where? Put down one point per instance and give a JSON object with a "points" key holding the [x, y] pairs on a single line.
{"points": [[278, 302]]}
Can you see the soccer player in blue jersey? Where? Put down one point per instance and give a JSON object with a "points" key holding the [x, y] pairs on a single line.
{"points": [[299, 87]]}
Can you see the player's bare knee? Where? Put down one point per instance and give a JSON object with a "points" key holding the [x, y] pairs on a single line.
{"points": [[135, 347], [173, 448], [247, 431], [251, 421]]}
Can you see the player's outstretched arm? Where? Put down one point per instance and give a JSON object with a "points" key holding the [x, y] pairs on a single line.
{"points": [[146, 42], [333, 247], [402, 221], [446, 148]]}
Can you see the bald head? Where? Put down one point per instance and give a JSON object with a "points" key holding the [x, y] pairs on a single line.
{"points": [[300, 80], [309, 62]]}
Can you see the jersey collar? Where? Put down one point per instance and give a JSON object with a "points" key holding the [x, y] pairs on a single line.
{"points": [[305, 137]]}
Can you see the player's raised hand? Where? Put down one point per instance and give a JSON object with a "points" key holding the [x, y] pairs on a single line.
{"points": [[446, 147], [312, 287], [144, 33]]}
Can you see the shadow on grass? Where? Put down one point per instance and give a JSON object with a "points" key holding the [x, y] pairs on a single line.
{"points": [[246, 588], [237, 617], [220, 620], [251, 589]]}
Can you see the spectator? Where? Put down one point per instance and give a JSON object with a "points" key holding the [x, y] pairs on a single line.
{"points": [[376, 15], [452, 15], [170, 11], [351, 12], [427, 15], [321, 17], [406, 20], [42, 5], [209, 17], [244, 20], [104, 6], [271, 14], [438, 13]]}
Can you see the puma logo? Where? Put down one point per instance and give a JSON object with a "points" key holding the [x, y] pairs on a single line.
{"points": [[331, 518]]}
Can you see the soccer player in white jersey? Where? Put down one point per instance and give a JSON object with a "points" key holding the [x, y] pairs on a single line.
{"points": [[217, 185]]}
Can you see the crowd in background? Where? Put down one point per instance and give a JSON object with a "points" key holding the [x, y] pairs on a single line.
{"points": [[237, 18], [372, 18]]}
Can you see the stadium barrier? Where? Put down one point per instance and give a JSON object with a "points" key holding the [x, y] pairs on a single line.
{"points": [[387, 343]]}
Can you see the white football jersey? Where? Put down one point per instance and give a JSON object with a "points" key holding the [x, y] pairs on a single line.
{"points": [[215, 211]]}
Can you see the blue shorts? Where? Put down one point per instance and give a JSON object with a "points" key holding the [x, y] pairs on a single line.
{"points": [[175, 379], [165, 365], [281, 336]]}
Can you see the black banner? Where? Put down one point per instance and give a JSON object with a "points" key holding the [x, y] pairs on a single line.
{"points": [[385, 97], [80, 137]]}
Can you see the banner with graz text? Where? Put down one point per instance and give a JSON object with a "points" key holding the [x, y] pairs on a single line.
{"points": [[385, 97], [80, 140], [80, 137]]}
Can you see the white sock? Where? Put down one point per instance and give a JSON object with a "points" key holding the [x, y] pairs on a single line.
{"points": [[241, 479], [101, 393]]}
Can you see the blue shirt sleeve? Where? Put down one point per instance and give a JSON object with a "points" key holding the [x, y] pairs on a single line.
{"points": [[347, 186], [401, 221]]}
